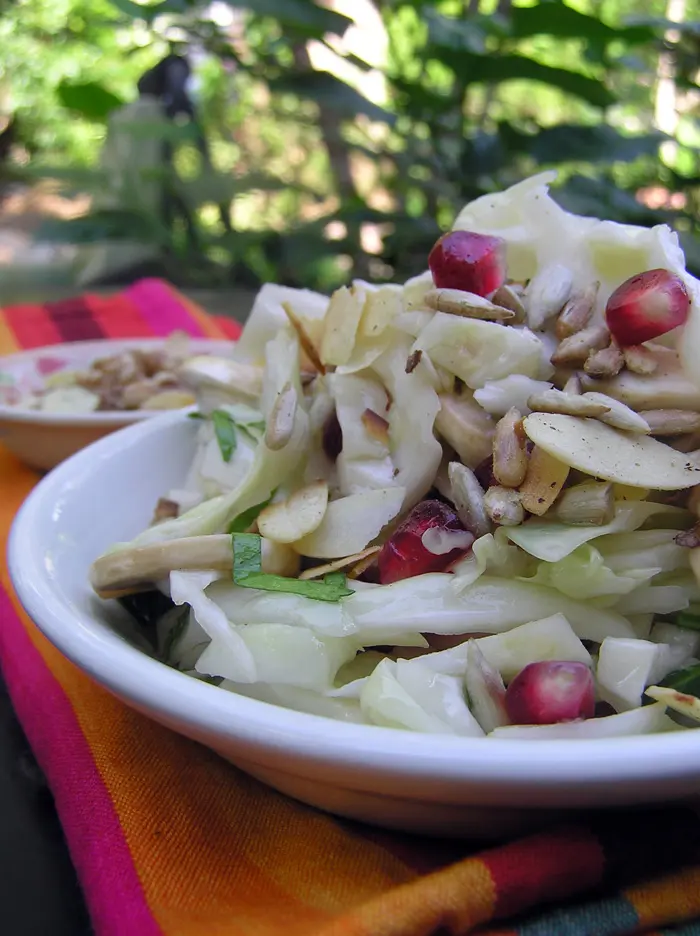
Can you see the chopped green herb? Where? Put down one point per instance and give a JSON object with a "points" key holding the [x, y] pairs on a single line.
{"points": [[246, 519], [196, 416], [225, 430], [688, 620], [685, 680], [247, 572]]}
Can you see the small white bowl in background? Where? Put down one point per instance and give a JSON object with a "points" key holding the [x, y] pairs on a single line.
{"points": [[435, 784], [44, 439]]}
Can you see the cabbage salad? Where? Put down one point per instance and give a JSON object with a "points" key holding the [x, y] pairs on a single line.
{"points": [[463, 505]]}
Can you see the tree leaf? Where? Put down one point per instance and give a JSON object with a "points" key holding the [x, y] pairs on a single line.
{"points": [[596, 144], [328, 91], [558, 19], [107, 224], [302, 15], [89, 99], [149, 11]]}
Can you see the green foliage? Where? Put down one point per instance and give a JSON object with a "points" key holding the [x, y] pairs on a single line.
{"points": [[322, 168]]}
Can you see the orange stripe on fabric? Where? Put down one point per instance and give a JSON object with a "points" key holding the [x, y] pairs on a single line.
{"points": [[453, 900], [32, 326], [8, 342], [210, 327], [183, 810], [669, 899], [118, 317]]}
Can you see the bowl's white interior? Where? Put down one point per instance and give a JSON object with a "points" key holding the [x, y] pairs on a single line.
{"points": [[106, 493], [22, 369]]}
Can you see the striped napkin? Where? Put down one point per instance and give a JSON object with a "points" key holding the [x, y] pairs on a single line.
{"points": [[168, 840]]}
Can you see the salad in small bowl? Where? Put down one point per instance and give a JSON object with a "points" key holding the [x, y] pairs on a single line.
{"points": [[465, 505]]}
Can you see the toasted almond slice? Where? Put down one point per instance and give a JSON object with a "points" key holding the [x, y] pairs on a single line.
{"points": [[671, 422], [618, 415], [377, 427], [669, 388], [548, 291], [611, 455], [341, 324], [280, 425], [300, 514], [307, 345], [543, 483], [504, 506], [137, 568], [509, 454], [458, 302], [382, 305], [680, 702], [555, 401], [573, 351], [573, 386], [320, 571]]}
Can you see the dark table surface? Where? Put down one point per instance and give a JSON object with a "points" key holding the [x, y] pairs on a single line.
{"points": [[39, 892]]}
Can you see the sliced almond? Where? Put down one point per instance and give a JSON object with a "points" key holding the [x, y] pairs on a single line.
{"points": [[504, 506], [280, 425], [377, 427], [555, 401], [300, 514], [382, 305], [608, 362], [509, 453], [671, 422], [458, 302], [466, 427], [611, 455], [573, 351], [577, 312], [669, 389], [680, 702], [341, 324], [338, 564], [543, 483], [640, 360], [617, 414], [573, 386], [305, 342]]}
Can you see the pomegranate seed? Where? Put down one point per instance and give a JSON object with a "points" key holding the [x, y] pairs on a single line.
{"points": [[475, 263], [551, 691], [430, 539], [646, 306], [332, 437]]}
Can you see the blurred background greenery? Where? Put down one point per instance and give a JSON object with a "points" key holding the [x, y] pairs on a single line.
{"points": [[341, 135]]}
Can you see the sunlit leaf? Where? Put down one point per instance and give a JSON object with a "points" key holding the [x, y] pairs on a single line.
{"points": [[90, 99]]}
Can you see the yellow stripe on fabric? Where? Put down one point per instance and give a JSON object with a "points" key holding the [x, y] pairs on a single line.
{"points": [[216, 852], [669, 899], [8, 342], [453, 900]]}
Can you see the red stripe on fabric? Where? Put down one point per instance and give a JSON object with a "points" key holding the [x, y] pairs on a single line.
{"points": [[95, 837], [544, 868], [230, 327], [161, 309], [119, 317], [32, 326], [73, 318]]}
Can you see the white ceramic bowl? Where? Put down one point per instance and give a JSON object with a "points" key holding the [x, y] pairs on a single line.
{"points": [[425, 783], [42, 440]]}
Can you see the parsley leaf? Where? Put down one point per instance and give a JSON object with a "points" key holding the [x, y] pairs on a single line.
{"points": [[225, 429], [247, 572]]}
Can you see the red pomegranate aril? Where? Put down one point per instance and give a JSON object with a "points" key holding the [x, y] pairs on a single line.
{"points": [[405, 553], [549, 692], [475, 263], [646, 306]]}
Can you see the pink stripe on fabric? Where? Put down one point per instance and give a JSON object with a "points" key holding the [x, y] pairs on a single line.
{"points": [[105, 868], [161, 310]]}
